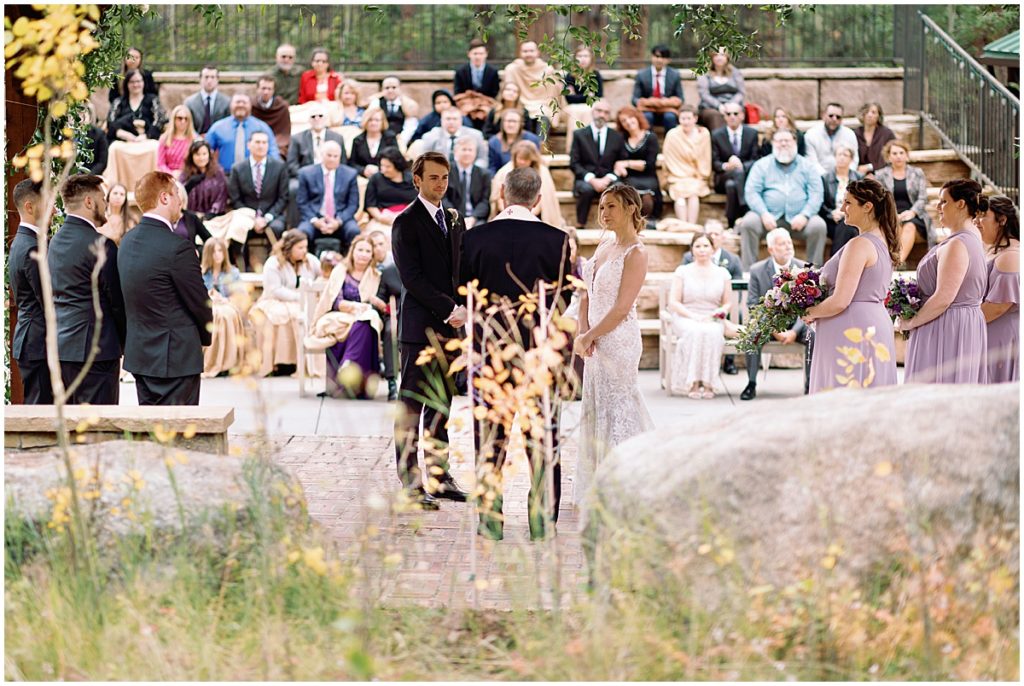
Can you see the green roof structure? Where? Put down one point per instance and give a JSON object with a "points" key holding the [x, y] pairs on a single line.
{"points": [[1002, 51]]}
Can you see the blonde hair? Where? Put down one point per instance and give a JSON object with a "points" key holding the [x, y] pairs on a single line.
{"points": [[350, 256], [630, 197], [351, 83], [372, 111], [168, 135]]}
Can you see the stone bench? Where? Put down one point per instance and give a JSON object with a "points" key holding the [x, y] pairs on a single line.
{"points": [[203, 428]]}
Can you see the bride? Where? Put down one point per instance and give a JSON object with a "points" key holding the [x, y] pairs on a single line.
{"points": [[613, 410]]}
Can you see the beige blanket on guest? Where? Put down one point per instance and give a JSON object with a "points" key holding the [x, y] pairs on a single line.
{"points": [[536, 99]]}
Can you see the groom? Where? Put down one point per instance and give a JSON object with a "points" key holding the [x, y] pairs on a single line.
{"points": [[507, 255], [426, 242]]}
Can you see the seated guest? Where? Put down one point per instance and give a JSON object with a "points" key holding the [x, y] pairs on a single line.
{"points": [[95, 141], [320, 82], [721, 86], [476, 84], [442, 138], [734, 150], [699, 303], [347, 323], [872, 135], [658, 91], [576, 108], [401, 111], [538, 83], [205, 182], [390, 292], [784, 190], [834, 186], [258, 190], [133, 62], [782, 119], [822, 139], [278, 314], [189, 226], [328, 200], [499, 148], [175, 141], [228, 136], [135, 116], [367, 146], [273, 111], [1000, 230], [442, 100], [469, 186], [509, 100], [722, 257], [349, 111], [306, 148], [780, 251], [640, 167], [285, 74], [526, 154], [687, 158], [909, 188], [227, 349], [389, 192], [595, 150], [119, 217], [208, 105]]}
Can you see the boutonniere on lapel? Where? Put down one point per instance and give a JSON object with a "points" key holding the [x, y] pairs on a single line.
{"points": [[453, 216]]}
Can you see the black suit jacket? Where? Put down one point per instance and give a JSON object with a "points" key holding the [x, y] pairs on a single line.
{"points": [[71, 262], [167, 303], [300, 150], [479, 192], [390, 284], [490, 83], [428, 263], [274, 194], [361, 151], [830, 186], [643, 87], [29, 339], [584, 158], [195, 227], [761, 275], [531, 250], [721, 148]]}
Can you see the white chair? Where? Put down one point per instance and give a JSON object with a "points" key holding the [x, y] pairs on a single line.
{"points": [[310, 295]]}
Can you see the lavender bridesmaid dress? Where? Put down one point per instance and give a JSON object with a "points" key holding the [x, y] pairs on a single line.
{"points": [[1004, 332], [844, 355], [951, 348]]}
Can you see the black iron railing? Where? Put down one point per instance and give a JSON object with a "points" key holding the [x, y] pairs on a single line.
{"points": [[974, 114], [435, 36]]}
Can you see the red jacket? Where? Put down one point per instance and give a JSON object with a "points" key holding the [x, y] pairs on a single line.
{"points": [[307, 85]]}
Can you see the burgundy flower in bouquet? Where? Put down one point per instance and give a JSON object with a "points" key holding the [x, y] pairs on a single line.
{"points": [[903, 299], [791, 295]]}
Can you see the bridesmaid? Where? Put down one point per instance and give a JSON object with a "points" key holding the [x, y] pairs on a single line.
{"points": [[949, 339], [861, 273], [1000, 229]]}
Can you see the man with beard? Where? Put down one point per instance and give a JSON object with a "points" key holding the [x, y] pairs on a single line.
{"points": [[783, 190], [824, 137], [167, 304]]}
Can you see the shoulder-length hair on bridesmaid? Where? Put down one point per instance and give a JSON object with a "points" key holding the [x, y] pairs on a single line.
{"points": [[1007, 219], [883, 207]]}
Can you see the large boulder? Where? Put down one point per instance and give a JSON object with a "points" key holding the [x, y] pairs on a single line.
{"points": [[845, 480]]}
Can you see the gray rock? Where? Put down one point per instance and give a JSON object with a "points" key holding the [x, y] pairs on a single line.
{"points": [[908, 469]]}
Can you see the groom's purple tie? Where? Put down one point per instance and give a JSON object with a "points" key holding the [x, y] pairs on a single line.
{"points": [[439, 218]]}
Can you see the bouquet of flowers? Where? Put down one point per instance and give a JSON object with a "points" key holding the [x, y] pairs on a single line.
{"points": [[903, 299], [791, 295]]}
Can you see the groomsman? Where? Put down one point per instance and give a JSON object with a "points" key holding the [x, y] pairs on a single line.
{"points": [[29, 339], [169, 312], [72, 256], [514, 251]]}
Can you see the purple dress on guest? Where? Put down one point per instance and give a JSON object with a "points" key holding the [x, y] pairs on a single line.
{"points": [[846, 352], [210, 196], [360, 348], [1004, 332], [951, 348]]}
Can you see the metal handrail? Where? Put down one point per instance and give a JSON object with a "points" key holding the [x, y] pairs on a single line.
{"points": [[971, 62]]}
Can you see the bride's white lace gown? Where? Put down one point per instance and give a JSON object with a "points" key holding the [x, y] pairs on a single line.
{"points": [[613, 410]]}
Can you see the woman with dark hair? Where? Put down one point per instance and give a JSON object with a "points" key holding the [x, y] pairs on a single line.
{"points": [[119, 217], [368, 145], [948, 339], [509, 99], [389, 192], [872, 135], [319, 82], [499, 148], [227, 346], [135, 116], [133, 62], [442, 100], [573, 91], [857, 279], [204, 181], [1000, 230], [722, 85], [640, 168]]}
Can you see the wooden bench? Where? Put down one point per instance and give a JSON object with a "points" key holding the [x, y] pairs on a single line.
{"points": [[203, 428]]}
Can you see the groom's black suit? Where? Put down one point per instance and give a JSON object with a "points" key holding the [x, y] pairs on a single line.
{"points": [[428, 263], [505, 256]]}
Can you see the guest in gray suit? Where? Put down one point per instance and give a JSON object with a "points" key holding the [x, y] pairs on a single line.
{"points": [[780, 249], [208, 105], [442, 138]]}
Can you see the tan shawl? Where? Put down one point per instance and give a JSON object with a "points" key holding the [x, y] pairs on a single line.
{"points": [[536, 99], [330, 327]]}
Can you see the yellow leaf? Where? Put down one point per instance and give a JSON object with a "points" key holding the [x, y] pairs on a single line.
{"points": [[844, 380], [189, 432], [855, 335], [883, 468], [882, 352], [829, 561]]}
